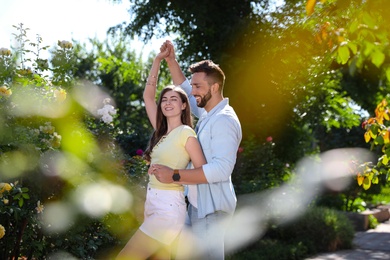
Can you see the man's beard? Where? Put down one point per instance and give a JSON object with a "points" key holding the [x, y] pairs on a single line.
{"points": [[203, 100]]}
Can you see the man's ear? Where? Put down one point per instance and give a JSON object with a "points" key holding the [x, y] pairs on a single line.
{"points": [[215, 87]]}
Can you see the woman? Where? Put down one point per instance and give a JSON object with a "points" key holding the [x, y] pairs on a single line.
{"points": [[174, 144]]}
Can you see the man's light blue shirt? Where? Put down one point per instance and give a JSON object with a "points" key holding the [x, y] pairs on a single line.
{"points": [[219, 133]]}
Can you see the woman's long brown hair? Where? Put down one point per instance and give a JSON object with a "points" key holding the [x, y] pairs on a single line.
{"points": [[161, 120]]}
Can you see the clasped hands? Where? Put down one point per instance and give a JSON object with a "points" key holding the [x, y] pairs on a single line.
{"points": [[161, 172], [166, 51]]}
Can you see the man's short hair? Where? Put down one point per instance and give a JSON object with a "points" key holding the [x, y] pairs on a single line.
{"points": [[213, 72]]}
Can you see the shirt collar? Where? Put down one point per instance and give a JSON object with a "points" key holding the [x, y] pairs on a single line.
{"points": [[217, 108]]}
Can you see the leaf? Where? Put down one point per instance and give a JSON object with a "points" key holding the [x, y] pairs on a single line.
{"points": [[386, 115], [374, 129], [367, 136], [386, 137], [353, 47], [21, 202], [373, 132], [386, 151], [377, 58], [385, 159], [379, 140], [343, 54], [360, 179], [310, 4], [366, 183], [368, 20], [369, 48], [388, 74], [375, 180]]}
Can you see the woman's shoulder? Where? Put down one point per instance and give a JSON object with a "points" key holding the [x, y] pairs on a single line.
{"points": [[187, 130]]}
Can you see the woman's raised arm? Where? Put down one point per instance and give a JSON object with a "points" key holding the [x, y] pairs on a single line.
{"points": [[150, 88]]}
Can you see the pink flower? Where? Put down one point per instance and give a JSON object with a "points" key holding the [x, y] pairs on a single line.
{"points": [[269, 139], [139, 152], [240, 149]]}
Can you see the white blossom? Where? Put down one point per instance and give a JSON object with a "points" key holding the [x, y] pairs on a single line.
{"points": [[107, 112]]}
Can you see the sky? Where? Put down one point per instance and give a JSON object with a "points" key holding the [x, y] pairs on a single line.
{"points": [[62, 20]]}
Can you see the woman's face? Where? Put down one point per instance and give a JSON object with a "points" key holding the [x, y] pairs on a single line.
{"points": [[171, 104]]}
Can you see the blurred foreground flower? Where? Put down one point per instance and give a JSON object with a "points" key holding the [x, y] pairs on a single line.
{"points": [[4, 187], [5, 92], [60, 95], [2, 231], [5, 52]]}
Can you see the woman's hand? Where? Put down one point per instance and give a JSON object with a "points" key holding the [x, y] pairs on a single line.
{"points": [[164, 53], [162, 173], [168, 45]]}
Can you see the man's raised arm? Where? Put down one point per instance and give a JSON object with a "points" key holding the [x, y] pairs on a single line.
{"points": [[176, 73]]}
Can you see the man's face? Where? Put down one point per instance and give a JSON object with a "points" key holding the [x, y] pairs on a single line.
{"points": [[201, 89]]}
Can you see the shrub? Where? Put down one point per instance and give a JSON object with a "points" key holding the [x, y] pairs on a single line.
{"points": [[320, 229], [66, 187], [317, 230], [266, 249], [258, 167]]}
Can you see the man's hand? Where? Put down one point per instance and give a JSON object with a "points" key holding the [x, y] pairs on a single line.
{"points": [[168, 45], [164, 53], [162, 173]]}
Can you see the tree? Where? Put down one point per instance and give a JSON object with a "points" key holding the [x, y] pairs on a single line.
{"points": [[267, 57], [296, 72]]}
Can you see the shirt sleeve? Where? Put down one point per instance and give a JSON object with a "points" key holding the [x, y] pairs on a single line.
{"points": [[225, 139]]}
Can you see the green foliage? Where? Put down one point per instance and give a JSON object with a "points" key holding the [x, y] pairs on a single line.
{"points": [[352, 199], [86, 239], [7, 65], [321, 230], [258, 168], [190, 20], [290, 70], [269, 53], [266, 249], [111, 64], [378, 135], [372, 222], [355, 34], [295, 77], [59, 151], [318, 230]]}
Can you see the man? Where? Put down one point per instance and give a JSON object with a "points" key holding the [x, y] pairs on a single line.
{"points": [[211, 195]]}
